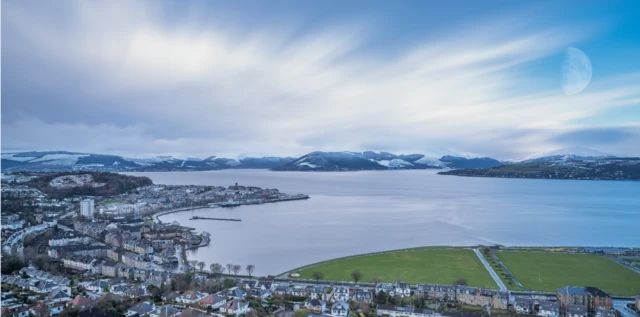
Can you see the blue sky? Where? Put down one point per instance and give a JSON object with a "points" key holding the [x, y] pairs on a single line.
{"points": [[289, 77]]}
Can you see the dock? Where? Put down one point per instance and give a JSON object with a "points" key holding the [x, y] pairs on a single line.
{"points": [[209, 218]]}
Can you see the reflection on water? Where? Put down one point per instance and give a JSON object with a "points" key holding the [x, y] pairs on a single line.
{"points": [[372, 211]]}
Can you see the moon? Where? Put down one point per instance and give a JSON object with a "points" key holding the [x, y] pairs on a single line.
{"points": [[576, 71]]}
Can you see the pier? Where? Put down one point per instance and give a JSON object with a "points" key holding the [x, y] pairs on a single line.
{"points": [[209, 218]]}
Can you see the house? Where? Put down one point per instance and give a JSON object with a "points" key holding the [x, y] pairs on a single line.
{"points": [[164, 311], [80, 302], [439, 292], [402, 289], [212, 301], [15, 310], [362, 296], [340, 293], [97, 286], [340, 308], [192, 312], [319, 292], [315, 305], [597, 299], [301, 291], [638, 303], [524, 305], [281, 289], [60, 294], [482, 297], [233, 293], [264, 293], [248, 284], [387, 288], [603, 312], [234, 307], [591, 297], [570, 295], [141, 275], [398, 311], [190, 297], [110, 268], [141, 308], [548, 309], [265, 285], [575, 310]]}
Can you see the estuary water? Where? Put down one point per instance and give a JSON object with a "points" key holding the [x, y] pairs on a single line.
{"points": [[358, 212]]}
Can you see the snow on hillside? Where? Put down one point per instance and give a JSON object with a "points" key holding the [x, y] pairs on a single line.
{"points": [[431, 161], [74, 181], [11, 156], [394, 163], [577, 151], [307, 164], [59, 159]]}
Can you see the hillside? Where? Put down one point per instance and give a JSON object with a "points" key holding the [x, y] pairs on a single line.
{"points": [[561, 168], [62, 185]]}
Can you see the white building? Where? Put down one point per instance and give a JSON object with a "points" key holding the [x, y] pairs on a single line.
{"points": [[86, 208]]}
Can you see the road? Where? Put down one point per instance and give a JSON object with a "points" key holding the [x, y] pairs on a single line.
{"points": [[621, 306], [493, 273]]}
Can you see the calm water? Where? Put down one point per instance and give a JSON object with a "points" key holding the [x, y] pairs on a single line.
{"points": [[360, 212]]}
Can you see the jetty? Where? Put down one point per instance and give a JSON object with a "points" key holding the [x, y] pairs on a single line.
{"points": [[209, 218]]}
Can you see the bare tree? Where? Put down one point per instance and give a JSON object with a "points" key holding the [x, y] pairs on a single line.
{"points": [[250, 268], [356, 275], [201, 265], [461, 282], [193, 263], [229, 268], [317, 275], [236, 268], [216, 268]]}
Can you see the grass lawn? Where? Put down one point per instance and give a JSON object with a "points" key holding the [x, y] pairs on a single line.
{"points": [[562, 269], [422, 266]]}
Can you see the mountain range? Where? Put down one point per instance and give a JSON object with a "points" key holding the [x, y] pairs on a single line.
{"points": [[56, 161]]}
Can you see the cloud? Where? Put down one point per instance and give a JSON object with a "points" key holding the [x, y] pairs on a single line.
{"points": [[118, 70], [595, 136]]}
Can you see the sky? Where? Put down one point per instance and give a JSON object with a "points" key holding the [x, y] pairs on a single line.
{"points": [[201, 78]]}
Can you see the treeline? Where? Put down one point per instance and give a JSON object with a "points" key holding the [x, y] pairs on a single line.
{"points": [[114, 184]]}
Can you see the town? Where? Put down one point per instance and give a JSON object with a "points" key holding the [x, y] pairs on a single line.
{"points": [[111, 255]]}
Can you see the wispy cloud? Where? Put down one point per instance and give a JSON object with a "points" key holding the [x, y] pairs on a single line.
{"points": [[203, 87]]}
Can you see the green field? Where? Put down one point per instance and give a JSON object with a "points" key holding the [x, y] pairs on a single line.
{"points": [[550, 271], [418, 266]]}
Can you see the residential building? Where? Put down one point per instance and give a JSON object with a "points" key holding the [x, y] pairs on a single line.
{"points": [[78, 263], [340, 293], [387, 288], [319, 292], [340, 308], [398, 311], [402, 289], [212, 301], [87, 208], [362, 296], [315, 305], [598, 299], [165, 311], [591, 297], [548, 309], [572, 310], [190, 297], [233, 293], [234, 307], [141, 308], [438, 292], [603, 312], [482, 297], [524, 305]]}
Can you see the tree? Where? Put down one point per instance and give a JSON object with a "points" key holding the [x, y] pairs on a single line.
{"points": [[486, 250], [229, 267], [193, 263], [201, 265], [317, 276], [236, 268], [105, 289], [356, 275], [228, 283], [250, 268], [300, 313], [216, 268], [460, 282], [381, 298]]}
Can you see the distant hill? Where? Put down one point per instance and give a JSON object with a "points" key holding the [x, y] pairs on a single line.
{"points": [[62, 161], [562, 167], [368, 160]]}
